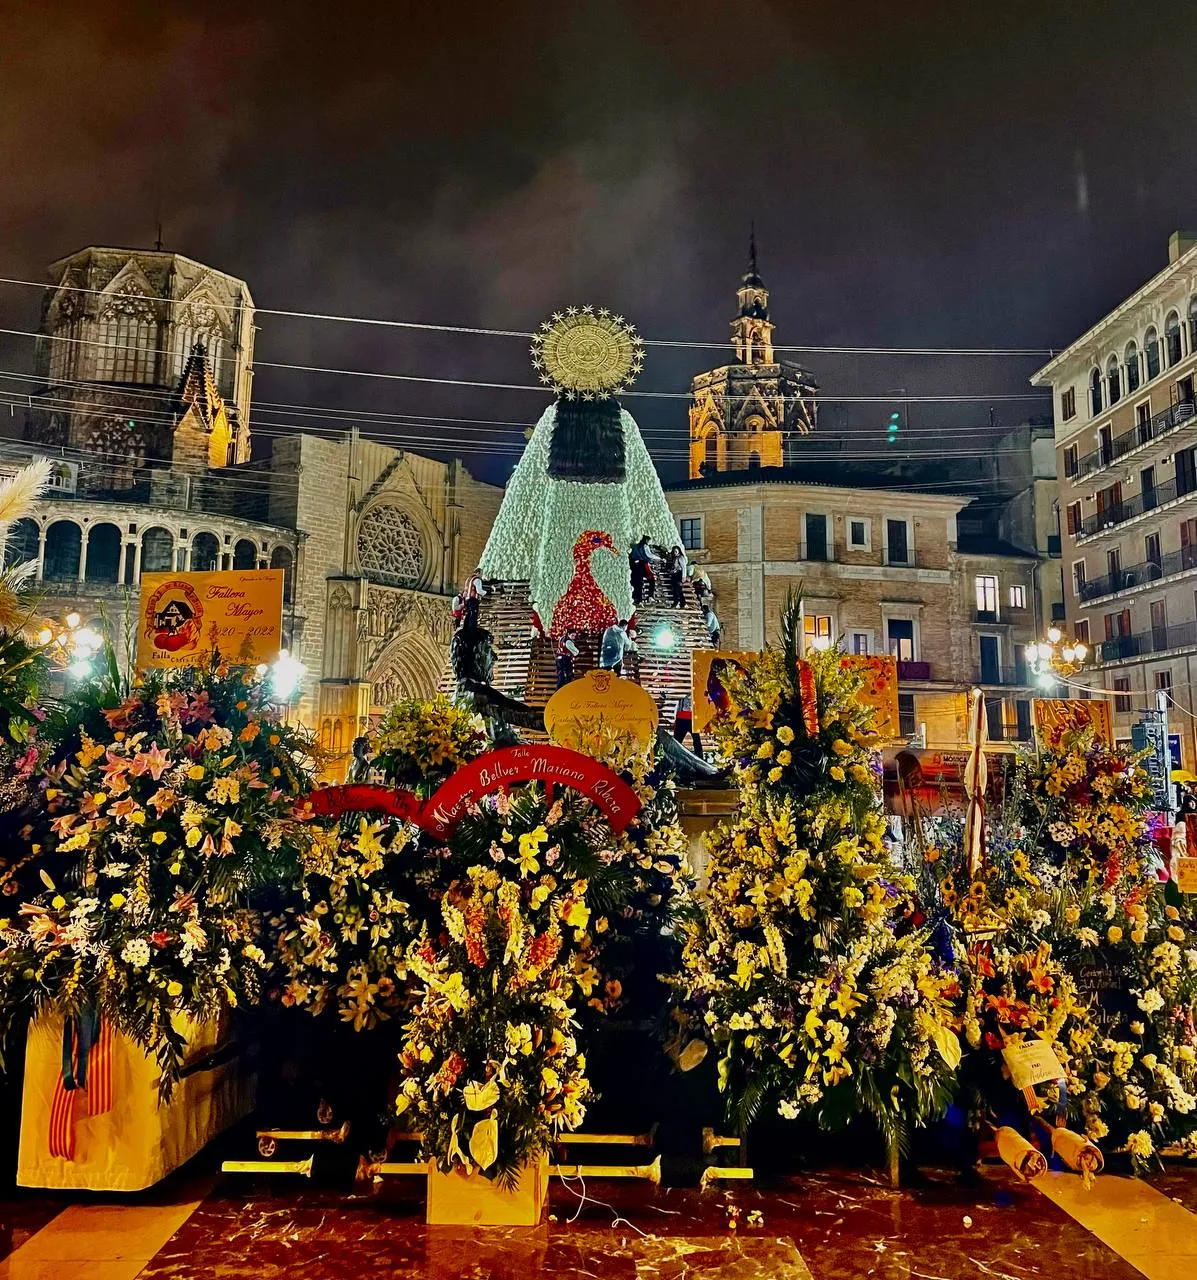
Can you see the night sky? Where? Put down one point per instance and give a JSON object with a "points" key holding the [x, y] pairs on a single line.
{"points": [[919, 175]]}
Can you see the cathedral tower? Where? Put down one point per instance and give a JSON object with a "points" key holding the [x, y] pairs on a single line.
{"points": [[146, 362], [743, 414]]}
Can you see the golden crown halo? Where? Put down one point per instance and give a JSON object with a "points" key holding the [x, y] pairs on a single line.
{"points": [[587, 353]]}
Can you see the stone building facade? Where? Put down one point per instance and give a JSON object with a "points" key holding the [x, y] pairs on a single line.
{"points": [[146, 359], [881, 571], [386, 538], [743, 414], [1126, 443]]}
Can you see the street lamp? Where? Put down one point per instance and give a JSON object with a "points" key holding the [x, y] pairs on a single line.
{"points": [[1056, 658]]}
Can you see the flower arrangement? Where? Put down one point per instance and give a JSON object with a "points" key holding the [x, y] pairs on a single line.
{"points": [[159, 826], [419, 743], [341, 942], [492, 1070], [796, 964]]}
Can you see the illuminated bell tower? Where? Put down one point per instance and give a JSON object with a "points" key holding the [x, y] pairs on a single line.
{"points": [[743, 414]]}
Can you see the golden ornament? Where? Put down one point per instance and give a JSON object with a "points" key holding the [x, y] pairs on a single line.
{"points": [[587, 354]]}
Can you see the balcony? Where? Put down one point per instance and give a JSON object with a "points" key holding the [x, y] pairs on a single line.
{"points": [[986, 615], [1157, 640], [1119, 513], [1015, 676], [1157, 427], [914, 670], [1138, 575], [1009, 732]]}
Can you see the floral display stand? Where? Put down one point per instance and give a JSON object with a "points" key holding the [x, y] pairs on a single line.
{"points": [[460, 1199], [135, 1141]]}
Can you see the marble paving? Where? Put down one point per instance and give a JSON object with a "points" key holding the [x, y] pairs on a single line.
{"points": [[822, 1226]]}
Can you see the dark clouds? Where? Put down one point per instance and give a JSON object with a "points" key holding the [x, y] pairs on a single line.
{"points": [[913, 169]]}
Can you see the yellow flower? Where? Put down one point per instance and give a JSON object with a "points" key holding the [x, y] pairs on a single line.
{"points": [[1114, 934], [841, 748], [785, 735], [196, 772], [58, 902], [174, 989], [859, 773], [836, 773], [575, 913], [784, 757], [765, 750], [774, 775], [1176, 933], [117, 901]]}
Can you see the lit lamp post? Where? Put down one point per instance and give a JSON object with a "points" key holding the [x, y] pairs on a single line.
{"points": [[1055, 658], [285, 675], [71, 646]]}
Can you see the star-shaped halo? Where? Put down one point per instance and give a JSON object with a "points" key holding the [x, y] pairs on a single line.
{"points": [[587, 353]]}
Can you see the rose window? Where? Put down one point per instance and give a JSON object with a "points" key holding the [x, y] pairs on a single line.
{"points": [[389, 547]]}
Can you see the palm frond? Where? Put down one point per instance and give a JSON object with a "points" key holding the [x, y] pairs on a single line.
{"points": [[791, 633], [19, 492]]}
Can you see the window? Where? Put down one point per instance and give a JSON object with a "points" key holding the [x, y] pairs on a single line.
{"points": [[858, 534], [1074, 518], [907, 721], [127, 340], [897, 542], [1122, 702], [1081, 631], [1095, 391], [1131, 359], [1068, 404], [1114, 568], [995, 720], [1172, 338], [1078, 578], [1022, 713], [1018, 596], [1143, 421], [1147, 487], [690, 530], [990, 649], [1159, 625], [1163, 680], [862, 642], [1071, 461], [1152, 553], [1113, 380], [987, 594], [901, 638], [1188, 543], [816, 537], [1151, 348], [816, 631]]}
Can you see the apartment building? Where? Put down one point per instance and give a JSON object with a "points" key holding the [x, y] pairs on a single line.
{"points": [[1125, 414], [882, 571]]}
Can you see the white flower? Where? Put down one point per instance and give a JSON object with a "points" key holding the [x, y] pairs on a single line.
{"points": [[1087, 937], [136, 952], [1140, 1144], [787, 1110], [1150, 1001]]}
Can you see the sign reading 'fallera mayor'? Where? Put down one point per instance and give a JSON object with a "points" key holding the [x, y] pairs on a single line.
{"points": [[185, 617]]}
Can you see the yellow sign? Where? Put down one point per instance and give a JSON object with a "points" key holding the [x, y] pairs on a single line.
{"points": [[184, 617], [709, 700], [598, 705], [1186, 875], [879, 690], [1032, 1062], [1055, 717]]}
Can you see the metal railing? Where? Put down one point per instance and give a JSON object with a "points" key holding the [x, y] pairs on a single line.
{"points": [[914, 670], [1156, 427], [1157, 640], [1119, 512], [1136, 575], [994, 675]]}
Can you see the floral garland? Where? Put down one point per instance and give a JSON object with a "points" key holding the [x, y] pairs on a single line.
{"points": [[419, 743], [157, 832]]}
